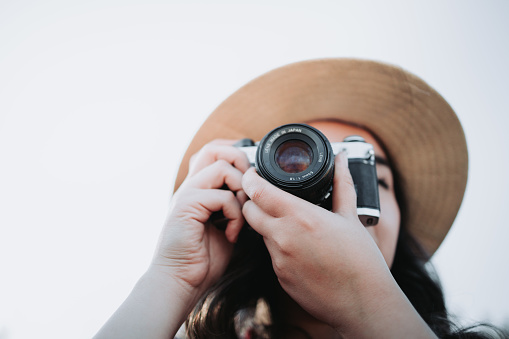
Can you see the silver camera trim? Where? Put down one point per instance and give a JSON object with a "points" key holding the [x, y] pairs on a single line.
{"points": [[250, 152], [357, 149]]}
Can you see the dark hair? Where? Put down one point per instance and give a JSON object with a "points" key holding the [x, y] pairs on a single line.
{"points": [[248, 278]]}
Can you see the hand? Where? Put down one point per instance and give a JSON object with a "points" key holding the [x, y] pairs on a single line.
{"points": [[326, 261], [192, 254], [191, 250]]}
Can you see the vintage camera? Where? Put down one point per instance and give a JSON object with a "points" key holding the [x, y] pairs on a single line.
{"points": [[300, 160]]}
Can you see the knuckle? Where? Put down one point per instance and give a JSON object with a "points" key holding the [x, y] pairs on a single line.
{"points": [[306, 221], [281, 269], [208, 151], [279, 266], [257, 193], [285, 245], [222, 164], [229, 196]]}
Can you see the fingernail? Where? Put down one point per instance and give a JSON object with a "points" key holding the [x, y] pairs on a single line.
{"points": [[245, 183]]}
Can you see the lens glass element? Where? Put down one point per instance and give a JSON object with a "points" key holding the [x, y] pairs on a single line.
{"points": [[294, 156]]}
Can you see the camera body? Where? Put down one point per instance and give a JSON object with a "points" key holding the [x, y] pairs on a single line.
{"points": [[300, 160]]}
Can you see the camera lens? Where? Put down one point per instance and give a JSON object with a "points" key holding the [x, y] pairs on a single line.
{"points": [[298, 159], [294, 156]]}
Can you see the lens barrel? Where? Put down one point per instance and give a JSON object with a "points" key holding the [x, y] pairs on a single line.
{"points": [[298, 159]]}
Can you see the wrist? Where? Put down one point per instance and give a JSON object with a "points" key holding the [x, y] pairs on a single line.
{"points": [[167, 285], [385, 312], [156, 308], [167, 296]]}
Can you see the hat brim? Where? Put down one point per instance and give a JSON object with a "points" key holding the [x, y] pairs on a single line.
{"points": [[417, 127]]}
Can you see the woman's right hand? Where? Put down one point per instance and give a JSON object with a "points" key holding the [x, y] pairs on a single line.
{"points": [[191, 250], [192, 254]]}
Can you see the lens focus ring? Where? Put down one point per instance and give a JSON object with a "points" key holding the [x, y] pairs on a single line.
{"points": [[298, 159]]}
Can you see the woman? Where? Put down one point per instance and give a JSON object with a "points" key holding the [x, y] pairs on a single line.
{"points": [[299, 270]]}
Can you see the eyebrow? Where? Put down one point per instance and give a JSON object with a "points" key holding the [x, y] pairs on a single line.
{"points": [[382, 161]]}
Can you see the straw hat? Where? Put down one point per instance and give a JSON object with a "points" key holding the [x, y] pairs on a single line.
{"points": [[420, 132]]}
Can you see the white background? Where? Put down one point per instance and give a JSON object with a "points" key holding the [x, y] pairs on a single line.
{"points": [[99, 99]]}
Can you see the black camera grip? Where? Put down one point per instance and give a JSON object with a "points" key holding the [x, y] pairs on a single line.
{"points": [[366, 185]]}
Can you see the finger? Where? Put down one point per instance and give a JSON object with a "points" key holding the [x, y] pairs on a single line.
{"points": [[228, 142], [225, 142], [212, 152], [203, 203], [257, 218], [242, 197], [232, 210], [217, 175], [344, 197], [269, 198]]}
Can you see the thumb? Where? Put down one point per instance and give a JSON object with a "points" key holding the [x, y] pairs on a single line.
{"points": [[344, 196]]}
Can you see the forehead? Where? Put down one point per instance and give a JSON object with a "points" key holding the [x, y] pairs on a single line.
{"points": [[336, 131]]}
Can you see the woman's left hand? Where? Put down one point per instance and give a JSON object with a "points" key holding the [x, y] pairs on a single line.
{"points": [[325, 260]]}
